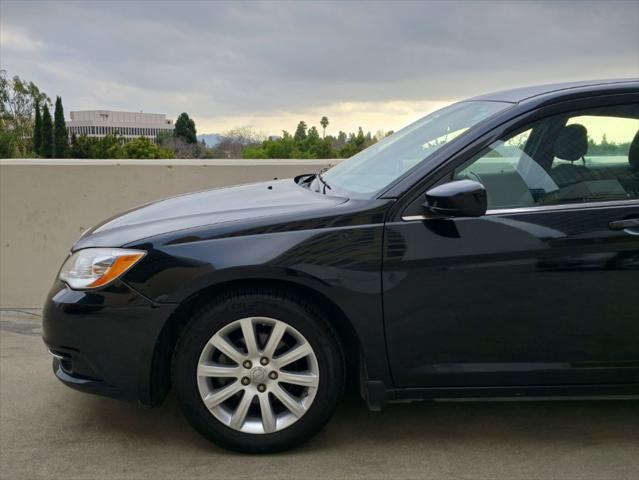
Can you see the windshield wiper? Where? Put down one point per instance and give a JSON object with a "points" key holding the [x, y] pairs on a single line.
{"points": [[305, 179], [324, 182]]}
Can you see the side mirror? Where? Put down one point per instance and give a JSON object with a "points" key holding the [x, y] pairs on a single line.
{"points": [[460, 198]]}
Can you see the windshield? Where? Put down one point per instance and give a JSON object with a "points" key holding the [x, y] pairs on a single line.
{"points": [[373, 169]]}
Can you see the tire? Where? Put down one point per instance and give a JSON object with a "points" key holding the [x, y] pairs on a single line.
{"points": [[202, 350]]}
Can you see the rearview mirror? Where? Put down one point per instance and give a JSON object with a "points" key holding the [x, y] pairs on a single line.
{"points": [[461, 198]]}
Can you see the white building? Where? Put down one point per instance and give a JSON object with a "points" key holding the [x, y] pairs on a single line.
{"points": [[130, 125]]}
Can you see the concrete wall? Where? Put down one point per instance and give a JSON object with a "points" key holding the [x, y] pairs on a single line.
{"points": [[46, 204]]}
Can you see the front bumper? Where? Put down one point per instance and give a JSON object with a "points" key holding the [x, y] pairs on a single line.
{"points": [[104, 341]]}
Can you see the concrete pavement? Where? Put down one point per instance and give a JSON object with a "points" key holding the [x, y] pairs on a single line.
{"points": [[50, 431]]}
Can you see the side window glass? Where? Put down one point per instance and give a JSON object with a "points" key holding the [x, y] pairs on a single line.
{"points": [[584, 157], [502, 156], [609, 139]]}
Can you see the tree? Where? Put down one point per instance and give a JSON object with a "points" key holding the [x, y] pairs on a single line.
{"points": [[246, 135], [144, 148], [300, 132], [73, 146], [46, 145], [7, 144], [323, 149], [37, 130], [233, 142], [185, 128], [17, 101], [109, 146], [324, 123], [307, 143], [356, 143], [82, 146], [313, 135], [341, 140], [180, 148], [382, 134], [60, 134]]}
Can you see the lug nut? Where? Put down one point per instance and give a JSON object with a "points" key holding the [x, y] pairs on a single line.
{"points": [[247, 364], [245, 380], [261, 387], [272, 375], [264, 361]]}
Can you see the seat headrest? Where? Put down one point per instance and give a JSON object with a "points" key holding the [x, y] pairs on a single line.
{"points": [[572, 143], [633, 153]]}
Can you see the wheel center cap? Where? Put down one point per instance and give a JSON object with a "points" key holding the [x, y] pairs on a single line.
{"points": [[258, 375]]}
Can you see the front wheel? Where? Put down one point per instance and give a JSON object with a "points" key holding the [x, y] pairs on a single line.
{"points": [[258, 372]]}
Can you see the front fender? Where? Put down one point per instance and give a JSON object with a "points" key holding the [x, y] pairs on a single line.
{"points": [[343, 264]]}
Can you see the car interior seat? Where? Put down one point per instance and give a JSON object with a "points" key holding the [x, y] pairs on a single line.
{"points": [[571, 145], [630, 181], [633, 153]]}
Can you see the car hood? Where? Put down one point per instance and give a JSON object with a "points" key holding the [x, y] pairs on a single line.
{"points": [[208, 207]]}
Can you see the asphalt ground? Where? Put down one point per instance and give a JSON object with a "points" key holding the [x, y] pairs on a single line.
{"points": [[50, 431]]}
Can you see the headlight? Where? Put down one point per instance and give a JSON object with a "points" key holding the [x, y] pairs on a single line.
{"points": [[97, 267]]}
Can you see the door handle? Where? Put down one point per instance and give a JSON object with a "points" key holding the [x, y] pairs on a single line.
{"points": [[623, 224]]}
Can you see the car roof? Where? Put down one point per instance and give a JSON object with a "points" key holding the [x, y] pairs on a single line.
{"points": [[519, 95]]}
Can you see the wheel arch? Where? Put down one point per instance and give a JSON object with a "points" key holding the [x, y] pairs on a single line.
{"points": [[160, 381]]}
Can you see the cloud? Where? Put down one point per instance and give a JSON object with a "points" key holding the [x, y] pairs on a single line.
{"points": [[18, 41], [268, 63]]}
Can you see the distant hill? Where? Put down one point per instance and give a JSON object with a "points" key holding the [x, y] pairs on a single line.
{"points": [[211, 139]]}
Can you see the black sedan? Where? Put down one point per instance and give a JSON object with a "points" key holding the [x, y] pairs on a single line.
{"points": [[488, 250]]}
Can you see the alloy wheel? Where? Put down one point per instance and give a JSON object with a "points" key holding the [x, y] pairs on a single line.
{"points": [[257, 375]]}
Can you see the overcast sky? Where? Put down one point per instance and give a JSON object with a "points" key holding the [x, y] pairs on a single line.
{"points": [[374, 64]]}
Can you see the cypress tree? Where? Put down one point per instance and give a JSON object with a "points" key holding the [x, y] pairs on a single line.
{"points": [[300, 132], [60, 134], [37, 130], [185, 128], [46, 145]]}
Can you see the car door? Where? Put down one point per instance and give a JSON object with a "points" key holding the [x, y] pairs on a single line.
{"points": [[541, 290]]}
